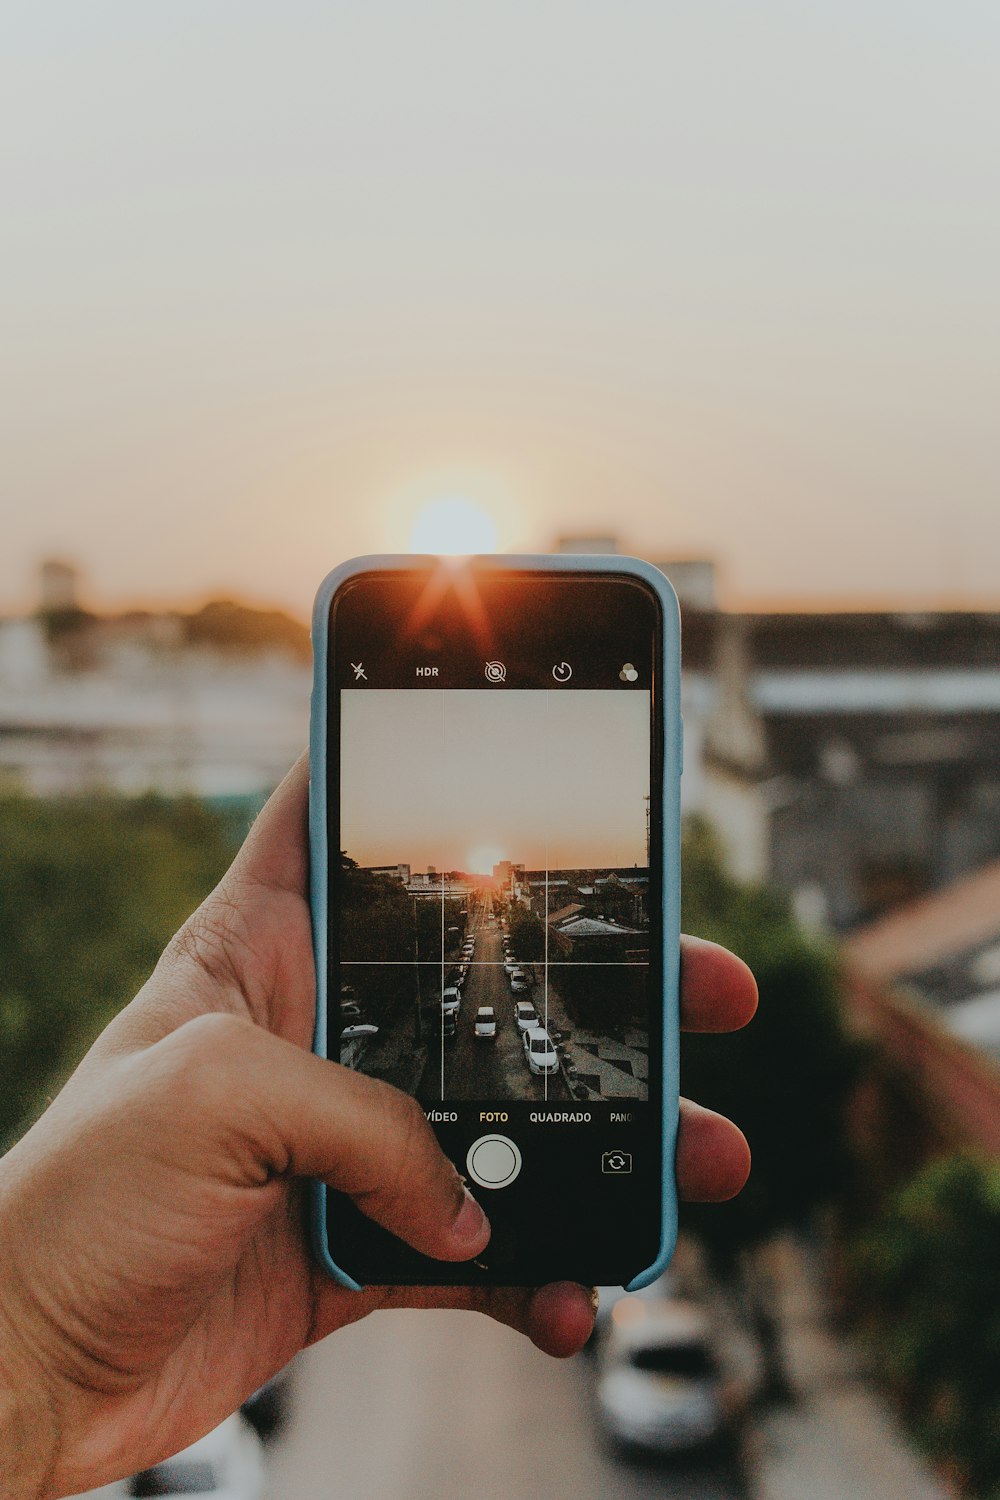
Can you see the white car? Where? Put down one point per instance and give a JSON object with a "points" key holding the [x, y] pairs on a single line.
{"points": [[518, 981], [451, 1001], [510, 964], [659, 1385], [354, 1043], [486, 1023], [227, 1463], [538, 1049], [526, 1015]]}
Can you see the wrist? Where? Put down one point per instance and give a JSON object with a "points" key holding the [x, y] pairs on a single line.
{"points": [[28, 1441], [29, 1426]]}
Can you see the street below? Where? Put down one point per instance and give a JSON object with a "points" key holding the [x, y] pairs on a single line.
{"points": [[492, 1070], [447, 1406]]}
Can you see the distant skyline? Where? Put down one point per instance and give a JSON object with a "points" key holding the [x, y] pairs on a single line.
{"points": [[464, 779], [721, 280]]}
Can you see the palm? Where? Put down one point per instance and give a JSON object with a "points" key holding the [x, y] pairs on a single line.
{"points": [[203, 1334], [175, 1278]]}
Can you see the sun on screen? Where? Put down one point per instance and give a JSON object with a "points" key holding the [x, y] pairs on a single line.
{"points": [[453, 527], [483, 858]]}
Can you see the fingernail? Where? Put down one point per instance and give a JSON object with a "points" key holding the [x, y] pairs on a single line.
{"points": [[470, 1221], [595, 1298]]}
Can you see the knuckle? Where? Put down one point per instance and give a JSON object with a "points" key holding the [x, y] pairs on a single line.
{"points": [[415, 1162], [207, 939], [205, 1056]]}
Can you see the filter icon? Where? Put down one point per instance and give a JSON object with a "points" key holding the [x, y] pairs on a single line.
{"points": [[628, 673]]}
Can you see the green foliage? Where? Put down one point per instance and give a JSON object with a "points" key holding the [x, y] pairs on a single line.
{"points": [[930, 1268], [231, 626], [380, 920], [91, 892], [785, 1079], [527, 936]]}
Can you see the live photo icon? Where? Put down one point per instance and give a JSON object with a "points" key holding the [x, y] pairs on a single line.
{"points": [[616, 1162]]}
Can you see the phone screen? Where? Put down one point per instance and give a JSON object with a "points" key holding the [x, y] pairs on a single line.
{"points": [[496, 904]]}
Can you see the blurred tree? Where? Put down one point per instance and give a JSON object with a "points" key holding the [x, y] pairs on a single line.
{"points": [[224, 623], [785, 1079], [91, 893], [928, 1272], [527, 936]]}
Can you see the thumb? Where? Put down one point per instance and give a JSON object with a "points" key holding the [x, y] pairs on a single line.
{"points": [[300, 1115]]}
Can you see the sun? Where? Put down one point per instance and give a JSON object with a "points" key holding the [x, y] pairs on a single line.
{"points": [[483, 857], [453, 527]]}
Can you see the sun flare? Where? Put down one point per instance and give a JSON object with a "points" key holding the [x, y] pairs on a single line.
{"points": [[453, 527], [483, 857]]}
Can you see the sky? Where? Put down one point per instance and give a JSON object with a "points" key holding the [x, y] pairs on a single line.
{"points": [[718, 278], [463, 779]]}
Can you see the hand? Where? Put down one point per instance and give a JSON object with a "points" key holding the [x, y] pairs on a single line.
{"points": [[153, 1267]]}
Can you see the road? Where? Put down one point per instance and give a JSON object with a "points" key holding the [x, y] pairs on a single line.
{"points": [[444, 1406], [478, 1069]]}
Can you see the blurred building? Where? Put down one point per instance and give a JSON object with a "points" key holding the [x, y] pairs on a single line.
{"points": [[215, 703], [853, 759], [59, 582], [944, 949], [400, 872]]}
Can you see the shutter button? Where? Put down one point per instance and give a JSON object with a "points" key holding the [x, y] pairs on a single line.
{"points": [[493, 1161]]}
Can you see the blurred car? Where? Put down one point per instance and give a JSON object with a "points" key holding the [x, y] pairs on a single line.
{"points": [[659, 1385], [486, 1023], [267, 1409], [539, 1051], [526, 1015], [610, 1296], [227, 1462], [518, 981]]}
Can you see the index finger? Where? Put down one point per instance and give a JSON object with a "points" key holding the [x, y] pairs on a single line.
{"points": [[718, 991]]}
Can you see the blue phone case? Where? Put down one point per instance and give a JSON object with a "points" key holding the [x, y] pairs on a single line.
{"points": [[669, 676]]}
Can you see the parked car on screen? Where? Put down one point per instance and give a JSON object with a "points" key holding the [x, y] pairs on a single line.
{"points": [[518, 981], [227, 1463], [354, 1042], [486, 1023], [451, 1000], [659, 1385], [539, 1051], [526, 1015]]}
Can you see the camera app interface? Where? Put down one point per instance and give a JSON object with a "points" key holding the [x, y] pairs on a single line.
{"points": [[493, 924]]}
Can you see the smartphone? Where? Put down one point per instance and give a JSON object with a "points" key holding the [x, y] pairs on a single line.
{"points": [[494, 840]]}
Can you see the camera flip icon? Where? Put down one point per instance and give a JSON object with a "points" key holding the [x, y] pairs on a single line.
{"points": [[616, 1162]]}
